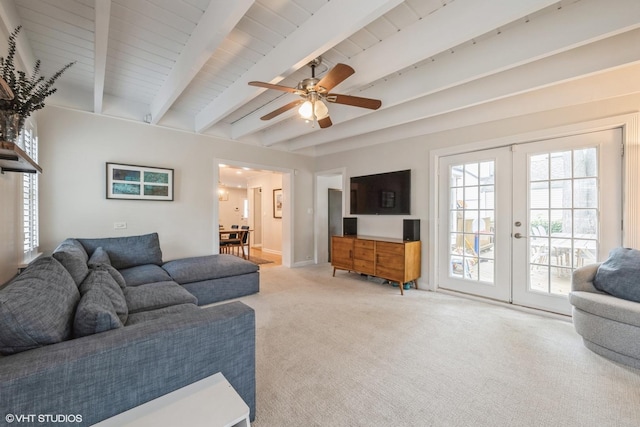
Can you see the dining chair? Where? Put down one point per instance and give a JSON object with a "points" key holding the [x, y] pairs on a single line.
{"points": [[245, 237], [236, 246]]}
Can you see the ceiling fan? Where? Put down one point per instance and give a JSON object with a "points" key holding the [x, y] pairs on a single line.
{"points": [[315, 92]]}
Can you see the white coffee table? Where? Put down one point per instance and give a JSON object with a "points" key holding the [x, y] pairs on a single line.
{"points": [[210, 402]]}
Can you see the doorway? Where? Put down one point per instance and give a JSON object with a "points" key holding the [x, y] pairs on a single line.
{"points": [[254, 187], [329, 210], [516, 221], [257, 216]]}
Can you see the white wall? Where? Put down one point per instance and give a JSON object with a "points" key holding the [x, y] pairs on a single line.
{"points": [[74, 147], [230, 210]]}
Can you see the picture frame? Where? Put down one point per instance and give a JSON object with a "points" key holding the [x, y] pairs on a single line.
{"points": [[277, 203], [135, 182]]}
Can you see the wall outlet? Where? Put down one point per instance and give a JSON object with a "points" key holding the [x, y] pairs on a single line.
{"points": [[119, 225]]}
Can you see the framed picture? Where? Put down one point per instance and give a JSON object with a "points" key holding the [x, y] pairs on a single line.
{"points": [[277, 203], [134, 182]]}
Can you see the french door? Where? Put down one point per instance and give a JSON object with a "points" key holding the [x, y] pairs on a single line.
{"points": [[516, 221], [475, 222]]}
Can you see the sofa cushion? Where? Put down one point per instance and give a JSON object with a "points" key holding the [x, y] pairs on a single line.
{"points": [[130, 251], [37, 307], [71, 254], [143, 274], [153, 296], [145, 316], [619, 275], [95, 313], [101, 279], [196, 269]]}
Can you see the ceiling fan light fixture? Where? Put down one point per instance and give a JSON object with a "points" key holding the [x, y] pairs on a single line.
{"points": [[321, 110], [310, 109], [306, 110]]}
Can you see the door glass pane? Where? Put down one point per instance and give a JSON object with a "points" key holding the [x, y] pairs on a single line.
{"points": [[561, 193], [487, 173], [472, 221], [539, 167], [560, 165], [563, 213], [586, 194], [585, 162], [539, 194]]}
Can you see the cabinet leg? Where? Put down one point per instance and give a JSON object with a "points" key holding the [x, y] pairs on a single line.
{"points": [[401, 288], [334, 272], [415, 283]]}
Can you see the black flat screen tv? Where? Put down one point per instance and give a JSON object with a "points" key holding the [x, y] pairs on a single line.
{"points": [[381, 194]]}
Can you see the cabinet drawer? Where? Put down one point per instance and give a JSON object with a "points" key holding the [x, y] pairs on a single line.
{"points": [[365, 244], [363, 266], [390, 248], [363, 253], [393, 274]]}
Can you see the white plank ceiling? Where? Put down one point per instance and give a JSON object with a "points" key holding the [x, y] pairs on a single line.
{"points": [[185, 64]]}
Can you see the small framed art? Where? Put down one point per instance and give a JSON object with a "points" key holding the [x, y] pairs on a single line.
{"points": [[134, 182], [277, 203]]}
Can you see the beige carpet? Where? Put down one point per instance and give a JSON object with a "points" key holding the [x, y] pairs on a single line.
{"points": [[346, 351]]}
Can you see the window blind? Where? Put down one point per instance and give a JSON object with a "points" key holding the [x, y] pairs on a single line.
{"points": [[30, 195]]}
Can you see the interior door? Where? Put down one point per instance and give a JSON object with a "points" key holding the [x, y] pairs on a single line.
{"points": [[567, 212], [474, 223]]}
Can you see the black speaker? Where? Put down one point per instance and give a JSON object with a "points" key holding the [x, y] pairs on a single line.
{"points": [[349, 226], [411, 230]]}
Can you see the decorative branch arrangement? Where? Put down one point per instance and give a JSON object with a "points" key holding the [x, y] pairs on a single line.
{"points": [[29, 93]]}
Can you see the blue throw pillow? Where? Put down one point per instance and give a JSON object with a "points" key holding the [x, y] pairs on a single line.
{"points": [[100, 278], [619, 275], [73, 257], [95, 314], [99, 256], [37, 307]]}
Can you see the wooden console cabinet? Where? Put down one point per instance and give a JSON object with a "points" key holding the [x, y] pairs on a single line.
{"points": [[395, 260]]}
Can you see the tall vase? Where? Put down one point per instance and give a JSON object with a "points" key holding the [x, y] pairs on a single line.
{"points": [[10, 126]]}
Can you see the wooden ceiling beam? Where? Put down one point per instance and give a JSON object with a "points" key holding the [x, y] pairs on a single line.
{"points": [[101, 39]]}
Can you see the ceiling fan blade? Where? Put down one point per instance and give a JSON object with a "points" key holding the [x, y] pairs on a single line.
{"points": [[335, 76], [355, 101], [282, 109], [325, 123], [276, 87]]}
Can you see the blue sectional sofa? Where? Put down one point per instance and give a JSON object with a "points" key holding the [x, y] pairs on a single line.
{"points": [[104, 325]]}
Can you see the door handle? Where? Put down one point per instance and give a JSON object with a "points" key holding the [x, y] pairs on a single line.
{"points": [[519, 236]]}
